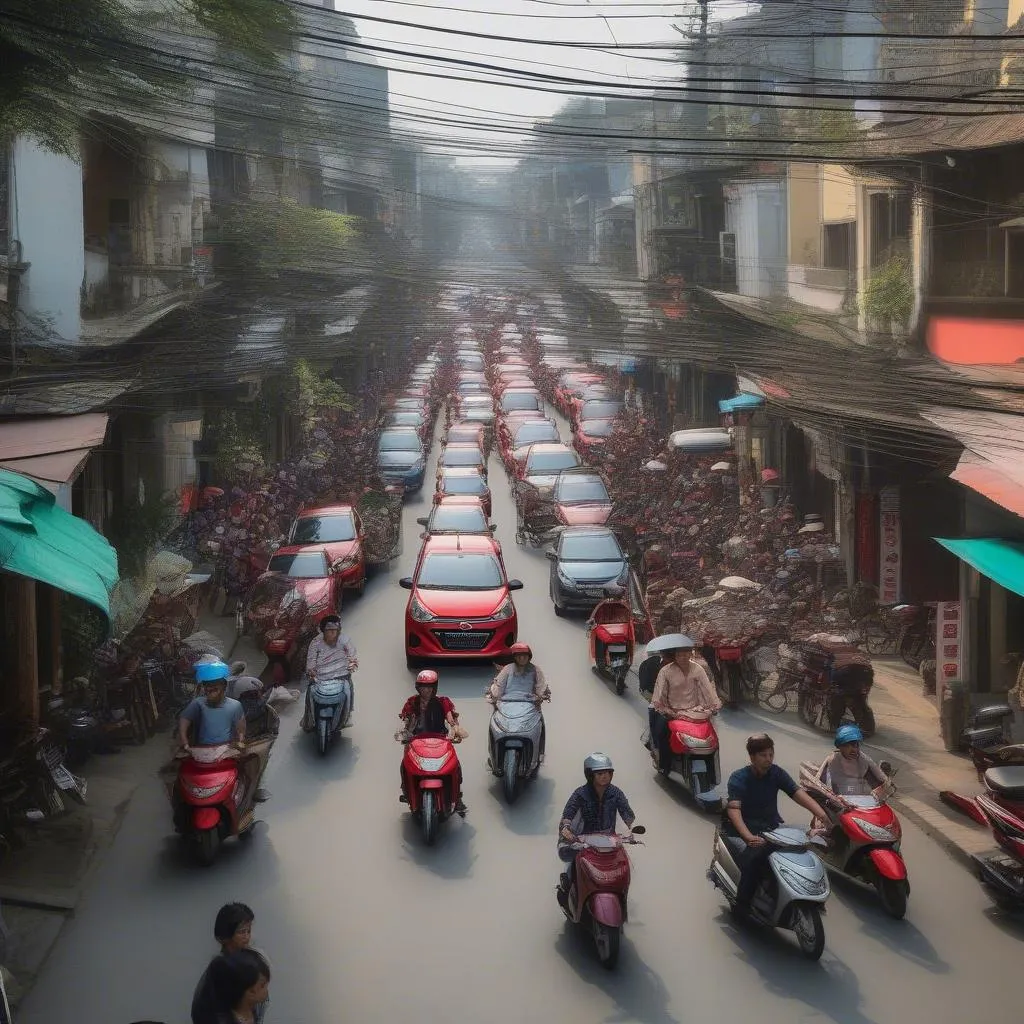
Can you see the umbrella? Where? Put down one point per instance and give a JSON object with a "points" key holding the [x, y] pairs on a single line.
{"points": [[668, 642]]}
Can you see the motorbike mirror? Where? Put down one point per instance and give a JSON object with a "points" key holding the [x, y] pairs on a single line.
{"points": [[492, 527], [551, 556], [515, 584], [405, 583], [639, 830], [422, 521]]}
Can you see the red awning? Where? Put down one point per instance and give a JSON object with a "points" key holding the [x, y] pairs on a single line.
{"points": [[53, 450], [976, 342]]}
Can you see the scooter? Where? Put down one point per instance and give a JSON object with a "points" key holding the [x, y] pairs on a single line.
{"points": [[211, 800], [597, 899], [517, 727], [694, 744], [866, 837], [792, 891], [431, 782], [1001, 809], [331, 706], [611, 635], [987, 738]]}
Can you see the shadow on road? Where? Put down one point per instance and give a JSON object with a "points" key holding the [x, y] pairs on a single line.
{"points": [[637, 991], [452, 854], [829, 987], [531, 814]]}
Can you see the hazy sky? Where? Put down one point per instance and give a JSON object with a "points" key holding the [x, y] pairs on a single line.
{"points": [[488, 103]]}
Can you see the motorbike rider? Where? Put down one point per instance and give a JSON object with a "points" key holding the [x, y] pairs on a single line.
{"points": [[522, 678], [753, 808], [846, 765], [591, 808], [682, 688], [428, 714], [218, 719], [331, 655]]}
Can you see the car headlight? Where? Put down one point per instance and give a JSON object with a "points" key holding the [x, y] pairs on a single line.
{"points": [[807, 886], [419, 612], [348, 562], [505, 610], [879, 834], [567, 581]]}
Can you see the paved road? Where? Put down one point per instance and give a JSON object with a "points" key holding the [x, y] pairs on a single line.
{"points": [[364, 924]]}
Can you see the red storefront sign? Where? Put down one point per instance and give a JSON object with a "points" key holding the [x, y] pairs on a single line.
{"points": [[949, 639], [890, 547]]}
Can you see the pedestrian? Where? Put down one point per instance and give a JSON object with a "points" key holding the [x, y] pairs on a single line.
{"points": [[241, 985], [232, 928]]}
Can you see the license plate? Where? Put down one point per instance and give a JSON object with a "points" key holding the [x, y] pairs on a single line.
{"points": [[62, 777], [698, 766], [617, 650]]}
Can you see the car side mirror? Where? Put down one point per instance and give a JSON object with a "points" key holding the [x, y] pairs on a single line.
{"points": [[515, 584], [492, 527], [422, 522], [405, 583], [424, 535], [551, 556]]}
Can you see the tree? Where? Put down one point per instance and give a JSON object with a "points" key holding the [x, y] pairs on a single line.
{"points": [[63, 60]]}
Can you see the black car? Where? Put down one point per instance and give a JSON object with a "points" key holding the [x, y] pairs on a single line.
{"points": [[586, 559]]}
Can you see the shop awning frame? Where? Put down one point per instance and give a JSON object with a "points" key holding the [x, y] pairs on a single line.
{"points": [[1001, 561], [51, 450]]}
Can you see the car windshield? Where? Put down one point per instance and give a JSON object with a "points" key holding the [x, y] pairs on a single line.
{"points": [[406, 419], [395, 459], [540, 462], [454, 571], [590, 547], [303, 565], [324, 529], [476, 399], [597, 428], [600, 410], [462, 457], [571, 489], [399, 441], [472, 387], [464, 484], [534, 432], [519, 400], [459, 519]]}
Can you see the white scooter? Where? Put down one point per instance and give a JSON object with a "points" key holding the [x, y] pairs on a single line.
{"points": [[517, 726], [792, 891], [331, 701]]}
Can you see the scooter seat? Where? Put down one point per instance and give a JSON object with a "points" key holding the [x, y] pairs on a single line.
{"points": [[1007, 782]]}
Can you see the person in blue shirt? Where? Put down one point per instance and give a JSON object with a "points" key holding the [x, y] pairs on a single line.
{"points": [[591, 808], [217, 718], [753, 808]]}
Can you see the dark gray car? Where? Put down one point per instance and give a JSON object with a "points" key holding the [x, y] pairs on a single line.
{"points": [[586, 559]]}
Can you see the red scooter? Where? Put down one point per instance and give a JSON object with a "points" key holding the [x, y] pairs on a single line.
{"points": [[431, 782], [598, 897], [694, 744], [611, 635], [211, 800], [1001, 809], [866, 836]]}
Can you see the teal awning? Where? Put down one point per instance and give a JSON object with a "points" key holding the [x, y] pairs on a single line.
{"points": [[1000, 560], [40, 540], [741, 402]]}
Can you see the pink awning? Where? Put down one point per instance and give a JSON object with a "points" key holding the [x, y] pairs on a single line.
{"points": [[51, 450]]}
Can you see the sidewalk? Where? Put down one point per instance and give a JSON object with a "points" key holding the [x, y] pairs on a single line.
{"points": [[908, 736], [43, 884]]}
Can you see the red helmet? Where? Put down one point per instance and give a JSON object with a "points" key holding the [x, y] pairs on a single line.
{"points": [[520, 648], [428, 677]]}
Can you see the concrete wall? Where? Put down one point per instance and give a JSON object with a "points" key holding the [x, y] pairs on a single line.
{"points": [[47, 219], [756, 212]]}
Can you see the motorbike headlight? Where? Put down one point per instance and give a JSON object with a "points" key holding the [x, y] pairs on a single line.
{"points": [[419, 612], [876, 832], [807, 886], [505, 610]]}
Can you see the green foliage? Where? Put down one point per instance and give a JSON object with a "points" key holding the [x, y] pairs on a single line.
{"points": [[238, 445], [261, 29], [317, 393], [889, 297], [137, 529], [267, 238], [83, 627]]}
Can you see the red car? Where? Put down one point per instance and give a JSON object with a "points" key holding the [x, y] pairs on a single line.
{"points": [[581, 499], [338, 529], [461, 601], [591, 436], [571, 386], [457, 454], [463, 432], [511, 422], [519, 400], [459, 480], [544, 462], [514, 382], [527, 432]]}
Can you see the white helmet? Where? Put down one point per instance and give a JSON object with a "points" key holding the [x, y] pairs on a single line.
{"points": [[597, 762]]}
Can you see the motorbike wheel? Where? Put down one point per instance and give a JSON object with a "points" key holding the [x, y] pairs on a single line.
{"points": [[323, 735], [893, 894], [734, 681], [607, 939], [810, 932], [428, 817], [620, 680], [511, 775], [206, 846]]}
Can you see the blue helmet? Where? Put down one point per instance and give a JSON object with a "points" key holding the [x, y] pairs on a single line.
{"points": [[211, 671], [848, 734]]}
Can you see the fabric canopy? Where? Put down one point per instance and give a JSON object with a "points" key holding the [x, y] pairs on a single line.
{"points": [[51, 450], [741, 402], [40, 540], [1000, 560]]}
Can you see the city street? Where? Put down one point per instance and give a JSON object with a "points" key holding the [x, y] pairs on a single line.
{"points": [[363, 923]]}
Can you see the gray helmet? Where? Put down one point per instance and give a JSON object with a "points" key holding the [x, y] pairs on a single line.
{"points": [[597, 762]]}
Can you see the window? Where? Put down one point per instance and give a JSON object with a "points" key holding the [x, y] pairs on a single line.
{"points": [[460, 572], [324, 530], [307, 565], [571, 489], [890, 225], [540, 462], [837, 246], [590, 547]]}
